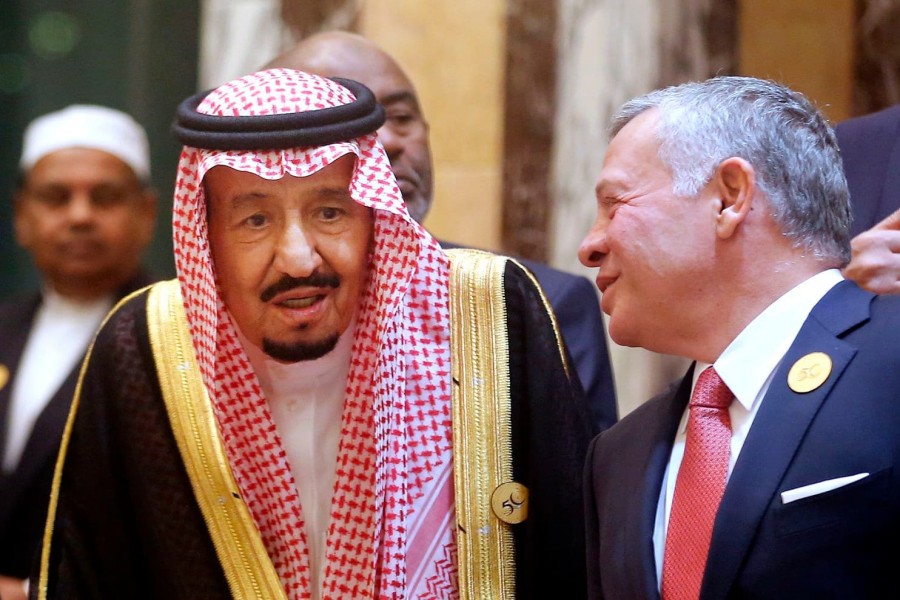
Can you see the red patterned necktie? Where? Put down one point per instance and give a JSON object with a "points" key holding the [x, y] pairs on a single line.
{"points": [[698, 489]]}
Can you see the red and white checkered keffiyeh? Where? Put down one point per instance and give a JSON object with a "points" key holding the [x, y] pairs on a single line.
{"points": [[391, 533]]}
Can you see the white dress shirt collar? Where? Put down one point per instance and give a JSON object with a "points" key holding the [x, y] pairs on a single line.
{"points": [[753, 356]]}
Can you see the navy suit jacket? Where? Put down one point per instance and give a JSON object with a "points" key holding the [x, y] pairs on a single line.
{"points": [[24, 493], [838, 544], [870, 149], [577, 308]]}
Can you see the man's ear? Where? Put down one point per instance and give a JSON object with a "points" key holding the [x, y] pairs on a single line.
{"points": [[21, 225], [147, 215], [735, 182]]}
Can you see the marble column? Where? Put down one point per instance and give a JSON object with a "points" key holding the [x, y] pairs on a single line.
{"points": [[610, 51]]}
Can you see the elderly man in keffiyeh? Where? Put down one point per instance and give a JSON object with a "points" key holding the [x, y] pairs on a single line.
{"points": [[324, 404]]}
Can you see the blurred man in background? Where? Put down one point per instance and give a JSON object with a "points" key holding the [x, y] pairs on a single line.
{"points": [[84, 212]]}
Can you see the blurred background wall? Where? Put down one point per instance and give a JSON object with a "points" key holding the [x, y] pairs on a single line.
{"points": [[518, 92]]}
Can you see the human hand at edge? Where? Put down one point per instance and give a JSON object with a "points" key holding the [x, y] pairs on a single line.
{"points": [[12, 588], [875, 257]]}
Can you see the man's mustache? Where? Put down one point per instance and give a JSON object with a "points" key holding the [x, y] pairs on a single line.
{"points": [[288, 283]]}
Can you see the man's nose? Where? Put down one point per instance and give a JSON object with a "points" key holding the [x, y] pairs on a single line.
{"points": [[80, 209], [296, 254], [391, 141], [593, 247]]}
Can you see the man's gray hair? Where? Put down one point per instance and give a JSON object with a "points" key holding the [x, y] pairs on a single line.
{"points": [[778, 131]]}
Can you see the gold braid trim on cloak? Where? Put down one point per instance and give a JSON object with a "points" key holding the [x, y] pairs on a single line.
{"points": [[548, 308], [244, 560], [44, 573], [482, 435]]}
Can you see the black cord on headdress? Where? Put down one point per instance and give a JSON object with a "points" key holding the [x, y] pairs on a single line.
{"points": [[278, 132]]}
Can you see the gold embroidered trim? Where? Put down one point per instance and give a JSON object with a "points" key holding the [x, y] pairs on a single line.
{"points": [[240, 549], [482, 442], [549, 310], [43, 576]]}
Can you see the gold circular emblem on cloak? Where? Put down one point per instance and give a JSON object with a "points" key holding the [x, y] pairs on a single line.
{"points": [[4, 376], [510, 502], [809, 372]]}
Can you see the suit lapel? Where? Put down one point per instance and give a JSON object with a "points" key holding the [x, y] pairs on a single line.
{"points": [[16, 328], [43, 442], [44, 438], [777, 432]]}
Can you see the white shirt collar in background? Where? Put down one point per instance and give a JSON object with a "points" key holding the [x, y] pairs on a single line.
{"points": [[60, 334]]}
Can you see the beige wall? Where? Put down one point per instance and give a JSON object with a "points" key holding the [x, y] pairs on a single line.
{"points": [[806, 44], [453, 52]]}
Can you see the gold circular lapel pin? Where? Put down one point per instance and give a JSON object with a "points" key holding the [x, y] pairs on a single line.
{"points": [[510, 502], [809, 372], [4, 376]]}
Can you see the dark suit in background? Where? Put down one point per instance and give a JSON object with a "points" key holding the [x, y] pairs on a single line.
{"points": [[830, 545], [870, 149], [24, 492]]}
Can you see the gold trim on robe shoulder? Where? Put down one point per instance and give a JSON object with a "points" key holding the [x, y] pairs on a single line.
{"points": [[548, 308], [44, 573], [244, 560], [482, 436]]}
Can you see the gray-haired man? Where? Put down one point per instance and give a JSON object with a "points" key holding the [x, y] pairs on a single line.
{"points": [[723, 219]]}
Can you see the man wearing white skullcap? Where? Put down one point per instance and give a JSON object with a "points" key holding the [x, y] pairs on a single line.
{"points": [[85, 213], [88, 126], [324, 404]]}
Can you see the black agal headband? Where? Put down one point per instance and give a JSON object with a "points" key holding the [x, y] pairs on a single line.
{"points": [[278, 132]]}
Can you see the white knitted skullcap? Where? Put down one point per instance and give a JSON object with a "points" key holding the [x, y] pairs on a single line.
{"points": [[88, 126]]}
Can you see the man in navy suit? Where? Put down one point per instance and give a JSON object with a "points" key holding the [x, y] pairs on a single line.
{"points": [[870, 149], [723, 221], [405, 139], [85, 213]]}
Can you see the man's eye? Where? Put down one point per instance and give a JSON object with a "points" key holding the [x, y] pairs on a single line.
{"points": [[400, 118], [330, 213], [105, 197], [256, 221], [403, 121], [51, 197], [610, 205]]}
